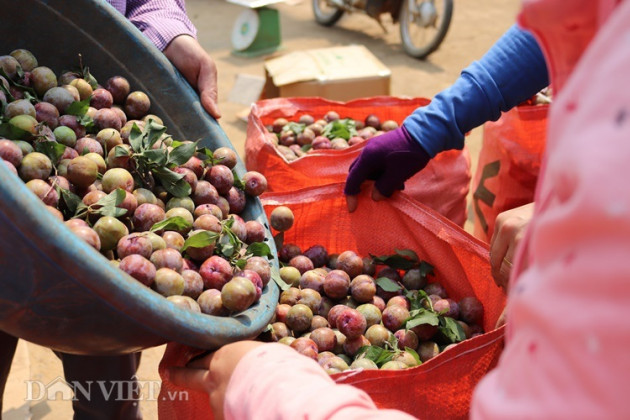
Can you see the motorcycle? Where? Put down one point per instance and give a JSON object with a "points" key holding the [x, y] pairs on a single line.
{"points": [[423, 23]]}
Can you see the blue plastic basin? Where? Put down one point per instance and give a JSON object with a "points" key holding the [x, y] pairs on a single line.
{"points": [[57, 291]]}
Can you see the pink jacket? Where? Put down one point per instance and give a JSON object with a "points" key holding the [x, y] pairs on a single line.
{"points": [[569, 308], [566, 352]]}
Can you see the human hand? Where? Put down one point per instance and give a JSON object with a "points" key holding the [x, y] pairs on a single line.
{"points": [[389, 159], [212, 373], [509, 229], [198, 68]]}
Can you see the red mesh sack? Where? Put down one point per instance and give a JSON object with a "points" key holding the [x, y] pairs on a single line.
{"points": [[441, 387], [509, 162], [448, 171]]}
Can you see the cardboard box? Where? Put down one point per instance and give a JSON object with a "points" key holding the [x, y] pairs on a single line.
{"points": [[337, 73]]}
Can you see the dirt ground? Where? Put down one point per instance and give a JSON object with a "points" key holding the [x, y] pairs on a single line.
{"points": [[474, 27]]}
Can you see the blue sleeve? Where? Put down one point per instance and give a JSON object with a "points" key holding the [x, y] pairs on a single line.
{"points": [[512, 71]]}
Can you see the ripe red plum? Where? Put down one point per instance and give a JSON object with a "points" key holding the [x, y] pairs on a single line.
{"points": [[221, 177], [255, 183], [318, 255], [167, 258], [336, 284], [139, 268], [471, 310], [288, 251], [306, 347], [193, 283], [363, 288], [324, 338], [10, 152], [350, 262], [216, 272], [352, 345], [119, 88], [226, 156], [351, 323], [394, 317], [134, 244], [407, 338], [137, 104], [436, 289], [261, 266], [47, 113], [310, 279], [146, 215]]}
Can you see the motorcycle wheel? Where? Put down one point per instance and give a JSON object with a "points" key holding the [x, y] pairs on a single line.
{"points": [[325, 13], [423, 25]]}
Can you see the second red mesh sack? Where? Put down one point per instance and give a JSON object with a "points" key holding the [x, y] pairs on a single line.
{"points": [[442, 386], [448, 171], [509, 162]]}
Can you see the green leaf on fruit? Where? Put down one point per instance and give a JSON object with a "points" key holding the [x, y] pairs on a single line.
{"points": [[417, 298], [78, 108], [227, 246], [175, 223], [200, 240], [344, 128], [414, 354], [238, 182], [172, 182], [425, 268], [152, 133], [451, 329], [396, 261], [23, 88], [182, 153], [241, 263], [378, 355], [109, 204], [9, 131], [420, 317], [259, 249], [157, 157], [52, 149], [120, 151], [388, 284], [68, 203], [306, 147], [135, 138], [205, 154], [408, 254], [275, 275], [296, 128]]}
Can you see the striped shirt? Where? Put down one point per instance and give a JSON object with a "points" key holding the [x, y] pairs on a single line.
{"points": [[159, 20]]}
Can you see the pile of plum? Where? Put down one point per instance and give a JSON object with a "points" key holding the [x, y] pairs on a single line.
{"points": [[351, 312], [164, 211], [294, 139]]}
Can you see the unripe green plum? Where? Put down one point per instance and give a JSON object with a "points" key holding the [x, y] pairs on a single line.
{"points": [[25, 58], [169, 282], [35, 166], [110, 230], [82, 171], [42, 79], [238, 294]]}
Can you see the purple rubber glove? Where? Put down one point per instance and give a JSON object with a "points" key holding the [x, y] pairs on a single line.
{"points": [[390, 160]]}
